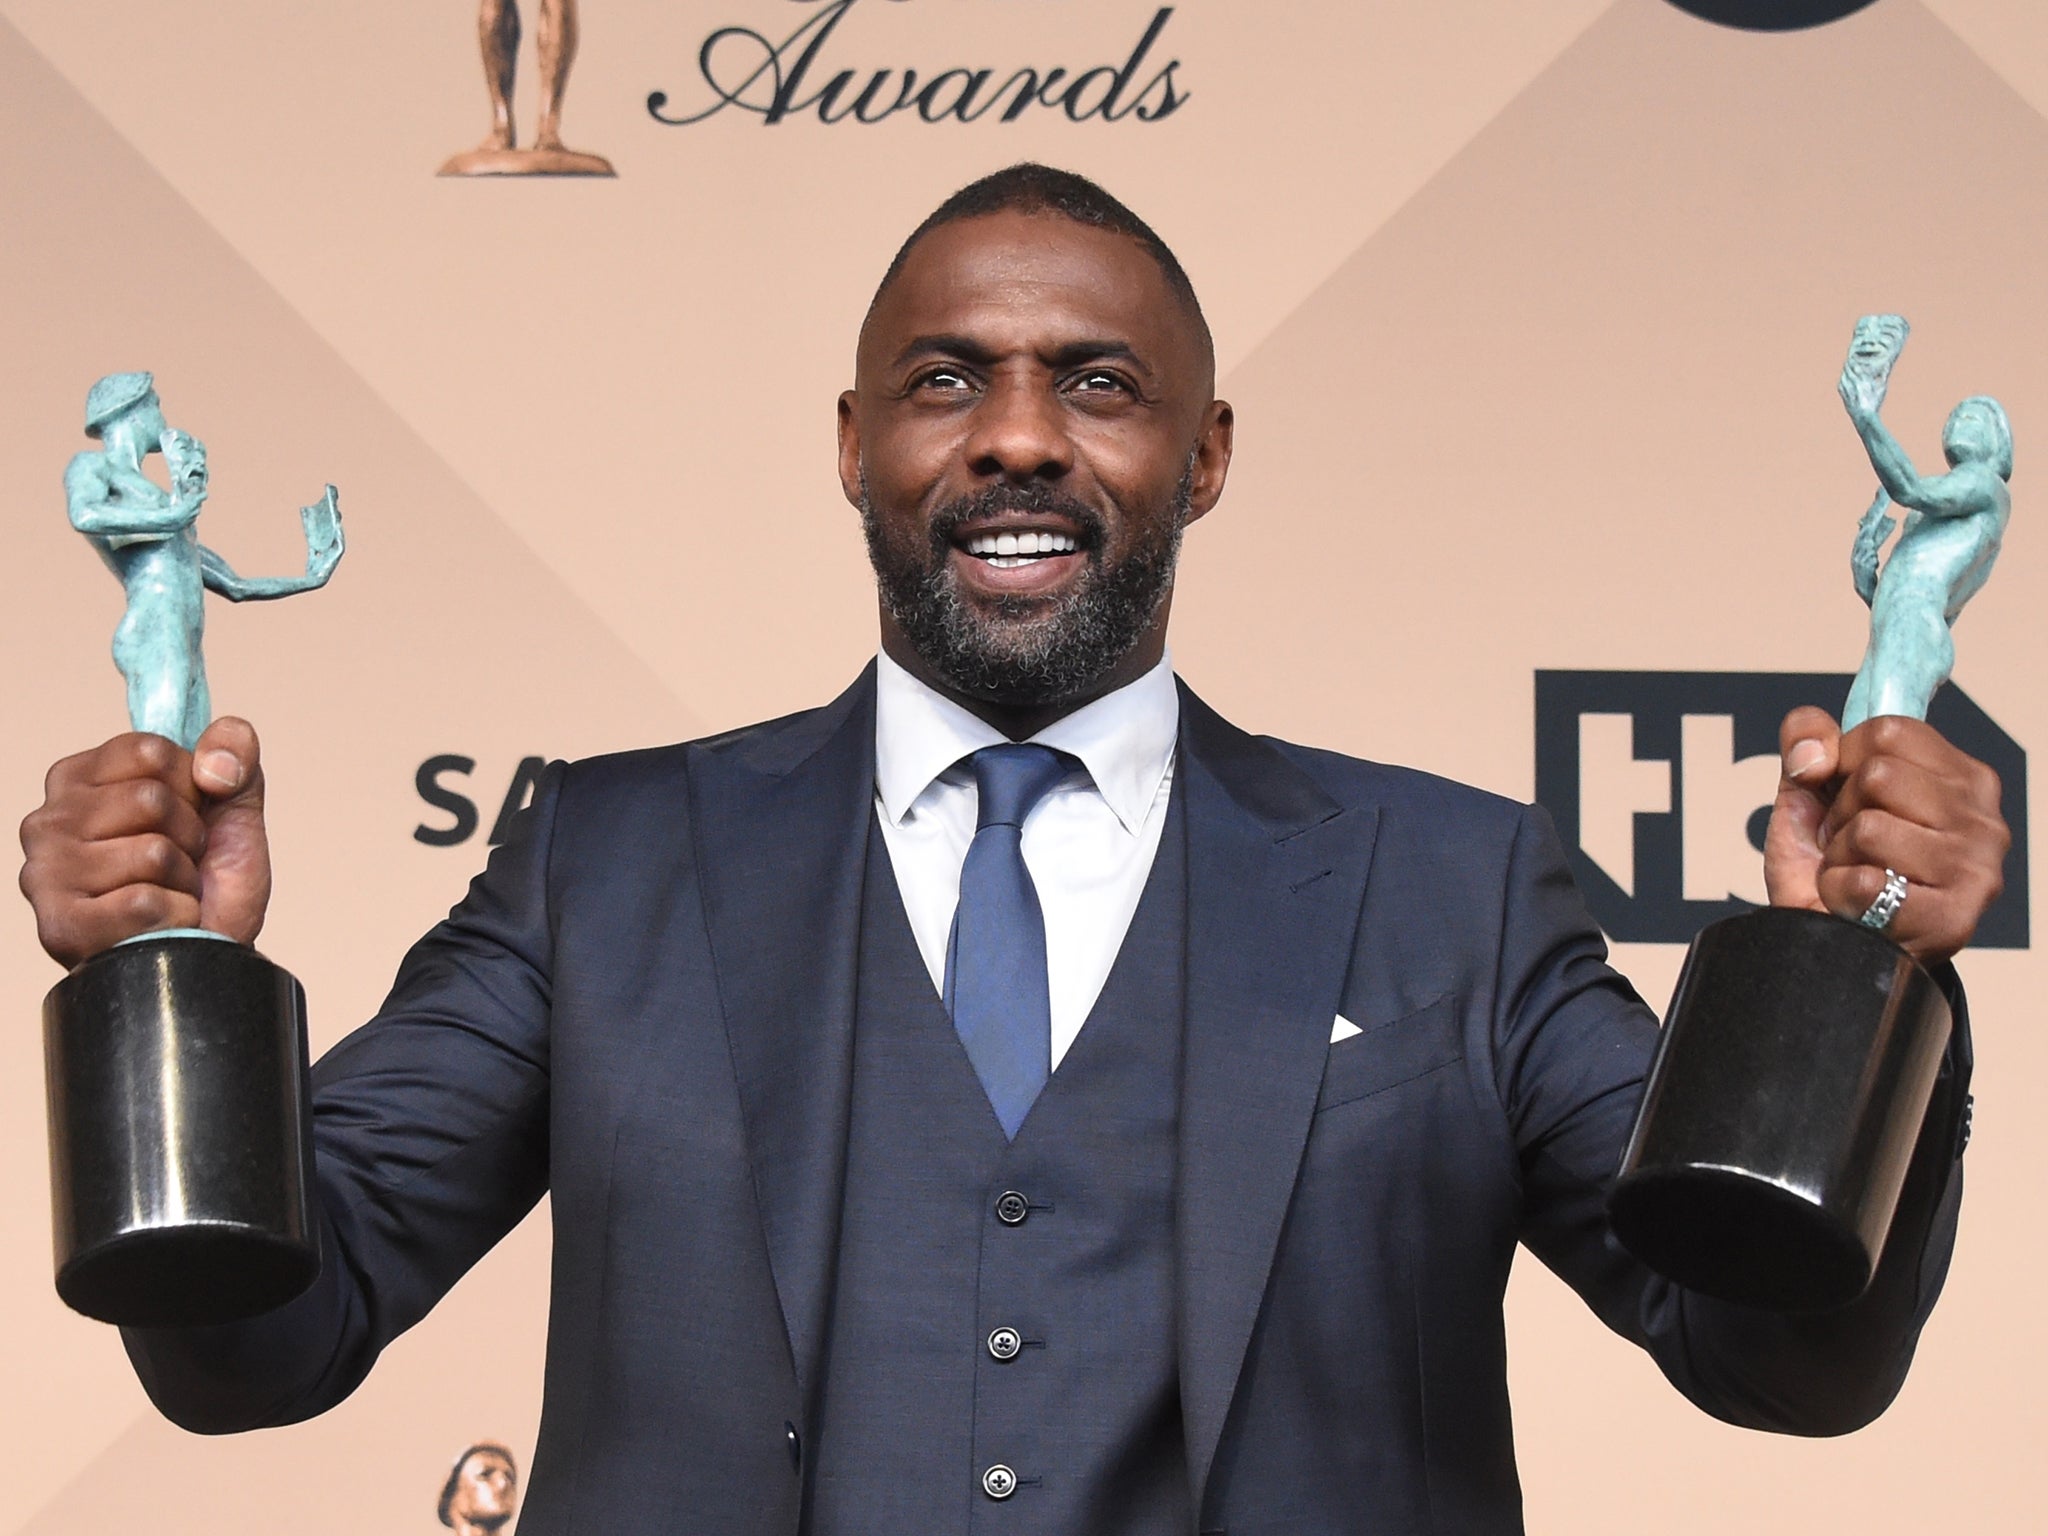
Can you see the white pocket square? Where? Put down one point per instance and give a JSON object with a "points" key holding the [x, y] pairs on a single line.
{"points": [[1343, 1029]]}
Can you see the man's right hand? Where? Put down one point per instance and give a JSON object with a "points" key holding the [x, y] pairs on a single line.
{"points": [[139, 834]]}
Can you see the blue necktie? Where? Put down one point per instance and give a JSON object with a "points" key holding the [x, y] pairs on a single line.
{"points": [[995, 964]]}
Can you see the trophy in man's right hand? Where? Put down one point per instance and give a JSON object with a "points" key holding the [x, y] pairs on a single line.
{"points": [[1802, 1048]]}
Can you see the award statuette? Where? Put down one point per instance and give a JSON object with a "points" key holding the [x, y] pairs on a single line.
{"points": [[180, 1143], [497, 26], [1801, 1050]]}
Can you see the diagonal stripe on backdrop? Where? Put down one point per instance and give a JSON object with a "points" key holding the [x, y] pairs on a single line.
{"points": [[1574, 407], [670, 343], [441, 633], [2008, 36]]}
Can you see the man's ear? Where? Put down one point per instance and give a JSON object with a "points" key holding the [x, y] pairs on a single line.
{"points": [[1212, 458], [849, 447]]}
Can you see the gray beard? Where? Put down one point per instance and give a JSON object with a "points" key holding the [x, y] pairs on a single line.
{"points": [[1031, 651]]}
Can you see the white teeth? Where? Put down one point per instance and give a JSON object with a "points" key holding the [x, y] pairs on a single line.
{"points": [[1007, 562], [1005, 545]]}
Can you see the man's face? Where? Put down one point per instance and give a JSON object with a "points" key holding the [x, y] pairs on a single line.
{"points": [[1032, 425]]}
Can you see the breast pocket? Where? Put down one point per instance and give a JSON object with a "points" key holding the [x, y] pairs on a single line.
{"points": [[1387, 1055]]}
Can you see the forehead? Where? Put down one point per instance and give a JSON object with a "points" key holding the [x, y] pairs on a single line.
{"points": [[1022, 279]]}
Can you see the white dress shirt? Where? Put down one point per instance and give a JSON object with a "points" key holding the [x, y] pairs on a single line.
{"points": [[1088, 844]]}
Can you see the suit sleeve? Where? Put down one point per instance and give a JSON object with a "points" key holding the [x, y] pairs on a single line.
{"points": [[430, 1135], [1573, 1044]]}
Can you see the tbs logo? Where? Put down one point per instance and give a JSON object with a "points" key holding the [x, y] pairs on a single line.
{"points": [[1661, 785]]}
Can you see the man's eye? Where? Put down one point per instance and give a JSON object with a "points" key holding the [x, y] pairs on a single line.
{"points": [[1100, 381], [942, 379]]}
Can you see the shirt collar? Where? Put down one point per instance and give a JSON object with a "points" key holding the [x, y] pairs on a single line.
{"points": [[1124, 739]]}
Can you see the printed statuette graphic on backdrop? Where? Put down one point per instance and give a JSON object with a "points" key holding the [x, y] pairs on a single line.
{"points": [[557, 27], [176, 1062], [146, 536], [1955, 524], [481, 1492]]}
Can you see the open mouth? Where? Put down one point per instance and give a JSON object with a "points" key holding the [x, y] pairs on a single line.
{"points": [[1010, 551], [1014, 546], [1022, 552]]}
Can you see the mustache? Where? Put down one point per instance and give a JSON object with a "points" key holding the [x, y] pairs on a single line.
{"points": [[1040, 498]]}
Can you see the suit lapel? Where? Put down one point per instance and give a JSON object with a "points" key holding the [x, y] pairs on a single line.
{"points": [[1276, 878], [781, 818]]}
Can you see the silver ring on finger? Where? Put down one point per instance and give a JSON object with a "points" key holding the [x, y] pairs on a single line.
{"points": [[1879, 914]]}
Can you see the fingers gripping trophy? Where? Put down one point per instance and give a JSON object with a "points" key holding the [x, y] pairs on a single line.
{"points": [[176, 1059], [1802, 1046]]}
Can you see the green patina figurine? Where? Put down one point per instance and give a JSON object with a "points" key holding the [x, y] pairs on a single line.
{"points": [[146, 536], [1953, 529]]}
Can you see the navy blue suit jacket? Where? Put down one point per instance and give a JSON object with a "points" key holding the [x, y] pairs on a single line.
{"points": [[645, 1004]]}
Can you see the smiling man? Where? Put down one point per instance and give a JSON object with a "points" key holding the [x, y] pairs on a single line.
{"points": [[1012, 1098], [1035, 425]]}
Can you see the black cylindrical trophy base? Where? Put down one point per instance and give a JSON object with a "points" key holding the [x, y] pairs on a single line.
{"points": [[180, 1143], [1788, 1089]]}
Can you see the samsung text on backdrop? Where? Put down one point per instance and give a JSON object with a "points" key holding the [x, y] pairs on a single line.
{"points": [[431, 783], [748, 71]]}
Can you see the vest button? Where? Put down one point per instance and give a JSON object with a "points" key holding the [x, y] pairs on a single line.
{"points": [[999, 1482], [1004, 1343], [1012, 1208], [795, 1444]]}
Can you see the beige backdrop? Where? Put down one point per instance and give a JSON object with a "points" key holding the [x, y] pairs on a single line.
{"points": [[1531, 311]]}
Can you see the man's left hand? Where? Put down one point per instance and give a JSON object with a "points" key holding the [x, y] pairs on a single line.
{"points": [[1890, 795]]}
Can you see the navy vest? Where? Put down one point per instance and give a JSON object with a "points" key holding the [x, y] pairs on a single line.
{"points": [[1002, 1354]]}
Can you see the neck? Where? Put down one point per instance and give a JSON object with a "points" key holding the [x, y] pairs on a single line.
{"points": [[1021, 721], [122, 444]]}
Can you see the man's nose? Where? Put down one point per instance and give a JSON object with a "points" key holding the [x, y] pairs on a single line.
{"points": [[1019, 433]]}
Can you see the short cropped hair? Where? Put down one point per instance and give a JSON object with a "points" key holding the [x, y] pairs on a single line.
{"points": [[1032, 188]]}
